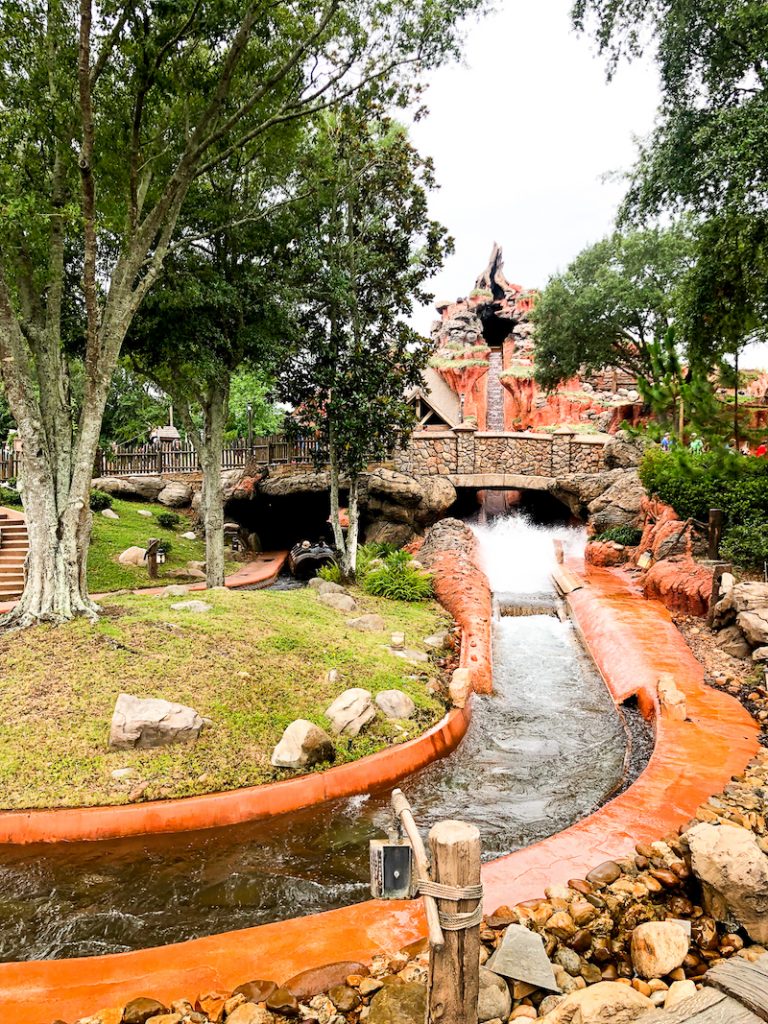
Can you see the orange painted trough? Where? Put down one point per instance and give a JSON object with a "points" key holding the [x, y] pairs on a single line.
{"points": [[633, 642]]}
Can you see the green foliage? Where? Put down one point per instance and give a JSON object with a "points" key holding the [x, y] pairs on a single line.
{"points": [[368, 556], [100, 500], [10, 497], [330, 573], [252, 387], [746, 544], [398, 579], [671, 382], [610, 304], [168, 520], [166, 546], [134, 407], [629, 536], [693, 484]]}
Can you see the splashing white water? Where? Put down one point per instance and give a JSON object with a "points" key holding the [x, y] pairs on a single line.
{"points": [[518, 556]]}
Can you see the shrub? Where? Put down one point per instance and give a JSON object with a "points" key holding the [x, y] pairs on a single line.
{"points": [[629, 536], [331, 573], [368, 556], [10, 497], [165, 546], [693, 484], [168, 520], [398, 579], [100, 500], [746, 544]]}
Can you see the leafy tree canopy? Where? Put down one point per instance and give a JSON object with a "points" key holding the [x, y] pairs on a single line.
{"points": [[611, 304]]}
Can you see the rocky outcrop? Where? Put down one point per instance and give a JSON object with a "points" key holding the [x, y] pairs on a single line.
{"points": [[139, 722], [619, 505], [461, 586], [134, 488], [742, 616], [175, 494], [733, 871], [681, 584], [578, 490]]}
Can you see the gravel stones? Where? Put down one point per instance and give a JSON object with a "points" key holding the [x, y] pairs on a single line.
{"points": [[658, 947], [302, 745], [604, 874]]}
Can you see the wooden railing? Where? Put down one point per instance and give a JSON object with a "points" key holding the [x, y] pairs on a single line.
{"points": [[154, 460], [10, 465]]}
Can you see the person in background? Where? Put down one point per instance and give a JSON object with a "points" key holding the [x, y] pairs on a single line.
{"points": [[762, 449], [696, 447], [745, 450], [666, 442]]}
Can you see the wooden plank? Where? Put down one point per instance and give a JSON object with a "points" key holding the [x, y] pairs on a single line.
{"points": [[744, 981], [707, 1007]]}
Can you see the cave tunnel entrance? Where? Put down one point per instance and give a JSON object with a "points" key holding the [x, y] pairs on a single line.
{"points": [[496, 329], [283, 521], [540, 507]]}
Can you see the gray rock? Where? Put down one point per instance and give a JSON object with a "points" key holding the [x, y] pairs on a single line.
{"points": [[754, 626], [623, 451], [731, 640], [395, 704], [760, 654], [139, 722], [522, 957], [109, 513], [619, 505], [398, 488], [189, 535], [742, 597], [494, 999], [341, 602], [383, 531], [437, 642], [132, 556], [142, 488], [175, 494], [399, 1004], [315, 583], [733, 871], [175, 590], [144, 512], [192, 606], [351, 711], [303, 744], [368, 623], [416, 657], [327, 587], [569, 960]]}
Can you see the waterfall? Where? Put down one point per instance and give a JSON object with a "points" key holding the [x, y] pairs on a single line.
{"points": [[518, 557]]}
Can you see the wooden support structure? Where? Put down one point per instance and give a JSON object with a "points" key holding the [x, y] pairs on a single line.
{"points": [[717, 574], [735, 992], [454, 970], [715, 531], [403, 812]]}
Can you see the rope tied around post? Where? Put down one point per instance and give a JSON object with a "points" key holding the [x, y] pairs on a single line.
{"points": [[451, 922]]}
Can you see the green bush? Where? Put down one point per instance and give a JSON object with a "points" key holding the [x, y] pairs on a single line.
{"points": [[368, 555], [100, 500], [331, 573], [397, 579], [168, 520], [629, 536], [693, 484], [165, 546], [10, 497], [746, 544]]}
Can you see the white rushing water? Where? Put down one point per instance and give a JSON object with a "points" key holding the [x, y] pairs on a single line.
{"points": [[518, 556]]}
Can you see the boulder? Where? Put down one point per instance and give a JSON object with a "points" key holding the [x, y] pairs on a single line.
{"points": [[578, 490], [136, 488], [754, 626], [658, 947], [760, 654], [195, 607], [189, 535], [624, 451], [733, 871], [287, 482], [109, 513], [395, 704], [399, 1004], [439, 495], [139, 722], [731, 640], [303, 744], [383, 531], [341, 602], [741, 597], [494, 999], [175, 494], [608, 1002], [620, 505], [327, 587], [132, 556], [351, 711], [368, 623], [396, 488]]}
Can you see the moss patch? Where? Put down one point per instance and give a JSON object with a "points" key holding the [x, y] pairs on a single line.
{"points": [[255, 663], [112, 536]]}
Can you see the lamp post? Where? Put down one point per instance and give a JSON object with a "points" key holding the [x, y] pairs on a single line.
{"points": [[461, 407]]}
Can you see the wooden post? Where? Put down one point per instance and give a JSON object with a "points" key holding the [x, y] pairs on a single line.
{"points": [[152, 547], [454, 970], [717, 575], [716, 517], [402, 810]]}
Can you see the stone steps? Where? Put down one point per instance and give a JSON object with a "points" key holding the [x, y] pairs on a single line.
{"points": [[14, 545], [495, 392]]}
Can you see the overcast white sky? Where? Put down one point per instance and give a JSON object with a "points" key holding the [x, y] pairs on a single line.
{"points": [[522, 137]]}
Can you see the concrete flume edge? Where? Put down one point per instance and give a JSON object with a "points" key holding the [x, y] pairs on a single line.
{"points": [[632, 642]]}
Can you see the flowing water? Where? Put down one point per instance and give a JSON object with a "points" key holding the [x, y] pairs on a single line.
{"points": [[546, 749]]}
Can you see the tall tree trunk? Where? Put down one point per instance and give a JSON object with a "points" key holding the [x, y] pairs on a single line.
{"points": [[335, 487], [349, 564], [208, 442]]}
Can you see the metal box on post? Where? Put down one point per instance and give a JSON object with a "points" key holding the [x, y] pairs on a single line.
{"points": [[391, 870]]}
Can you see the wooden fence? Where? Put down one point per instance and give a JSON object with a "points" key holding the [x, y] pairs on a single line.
{"points": [[153, 460], [10, 465]]}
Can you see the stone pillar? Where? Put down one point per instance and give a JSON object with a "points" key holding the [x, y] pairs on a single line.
{"points": [[562, 440], [465, 447]]}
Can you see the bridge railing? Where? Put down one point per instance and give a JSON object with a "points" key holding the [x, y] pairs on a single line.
{"points": [[165, 458]]}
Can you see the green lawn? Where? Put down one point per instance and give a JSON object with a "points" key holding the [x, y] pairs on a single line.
{"points": [[112, 536], [256, 662]]}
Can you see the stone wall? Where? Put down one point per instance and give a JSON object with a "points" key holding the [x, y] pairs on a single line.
{"points": [[464, 451]]}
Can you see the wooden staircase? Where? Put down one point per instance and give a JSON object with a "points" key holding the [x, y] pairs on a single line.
{"points": [[14, 545]]}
